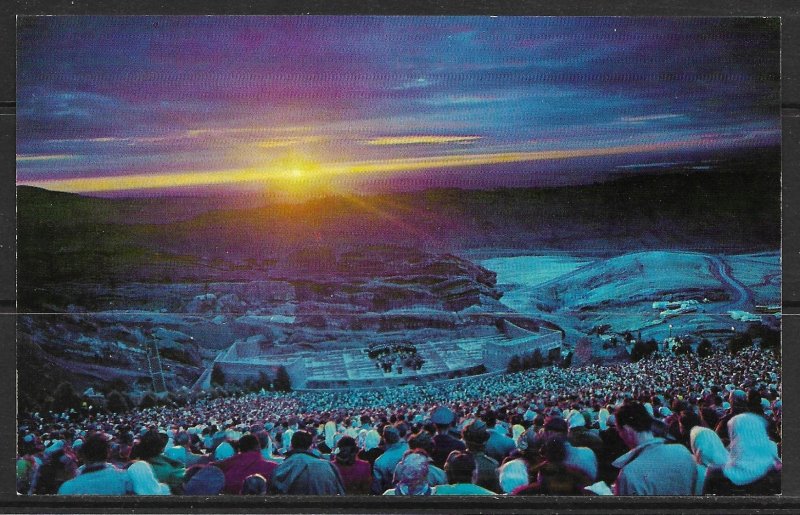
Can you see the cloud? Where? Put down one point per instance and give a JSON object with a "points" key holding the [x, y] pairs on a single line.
{"points": [[44, 157], [420, 140], [650, 118], [379, 166]]}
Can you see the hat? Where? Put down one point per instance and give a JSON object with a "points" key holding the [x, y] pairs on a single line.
{"points": [[223, 451], [54, 447], [576, 419], [412, 470], [208, 480], [442, 415], [476, 432]]}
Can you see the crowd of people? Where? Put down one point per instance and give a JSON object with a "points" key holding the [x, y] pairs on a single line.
{"points": [[666, 425]]}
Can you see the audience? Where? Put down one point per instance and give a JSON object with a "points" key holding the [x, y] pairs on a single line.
{"points": [[552, 431]]}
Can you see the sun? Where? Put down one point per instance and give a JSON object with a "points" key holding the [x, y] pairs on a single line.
{"points": [[298, 174]]}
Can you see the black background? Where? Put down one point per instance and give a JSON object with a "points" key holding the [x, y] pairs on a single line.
{"points": [[789, 11]]}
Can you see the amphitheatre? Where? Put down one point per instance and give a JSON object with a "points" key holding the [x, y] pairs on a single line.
{"points": [[352, 368]]}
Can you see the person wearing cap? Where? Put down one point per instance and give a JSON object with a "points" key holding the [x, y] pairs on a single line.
{"points": [[98, 476], [651, 467], [444, 443], [499, 445], [247, 462], [304, 473], [476, 435], [461, 470], [383, 468]]}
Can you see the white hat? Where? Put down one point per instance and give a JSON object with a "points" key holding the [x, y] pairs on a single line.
{"points": [[223, 451], [576, 419]]}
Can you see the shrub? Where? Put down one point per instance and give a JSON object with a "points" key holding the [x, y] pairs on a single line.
{"points": [[217, 376], [704, 350], [65, 398], [149, 400], [116, 402], [282, 383]]}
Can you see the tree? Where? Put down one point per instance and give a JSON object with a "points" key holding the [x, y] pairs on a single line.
{"points": [[116, 402], [738, 342], [704, 350], [567, 361], [536, 359], [217, 376], [642, 349], [282, 383], [65, 398], [514, 364], [149, 400]]}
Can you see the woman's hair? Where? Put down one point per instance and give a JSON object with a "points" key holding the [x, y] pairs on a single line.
{"points": [[347, 450], [553, 450]]}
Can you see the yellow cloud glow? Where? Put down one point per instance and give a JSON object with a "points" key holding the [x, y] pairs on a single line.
{"points": [[281, 171], [44, 157]]}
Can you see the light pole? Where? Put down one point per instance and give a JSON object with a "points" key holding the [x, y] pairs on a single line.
{"points": [[670, 330]]}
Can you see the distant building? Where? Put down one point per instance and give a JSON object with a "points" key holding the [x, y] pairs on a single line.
{"points": [[521, 342]]}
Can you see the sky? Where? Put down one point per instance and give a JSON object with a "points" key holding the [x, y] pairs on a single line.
{"points": [[120, 106]]}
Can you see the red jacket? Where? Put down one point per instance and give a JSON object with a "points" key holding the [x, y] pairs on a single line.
{"points": [[357, 478], [238, 467]]}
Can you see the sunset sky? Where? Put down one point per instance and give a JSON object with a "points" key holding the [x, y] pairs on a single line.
{"points": [[156, 105]]}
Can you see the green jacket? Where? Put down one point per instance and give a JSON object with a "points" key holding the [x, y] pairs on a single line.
{"points": [[168, 471]]}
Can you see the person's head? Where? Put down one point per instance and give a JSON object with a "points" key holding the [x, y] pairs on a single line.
{"points": [[555, 425], [95, 449], [302, 440], [475, 435], [254, 484], [248, 443], [421, 440], [707, 447], [738, 401], [513, 474], [203, 480], [553, 449], [346, 450], [411, 473], [371, 440], [634, 423], [151, 445], [490, 418], [391, 435], [460, 467], [442, 417]]}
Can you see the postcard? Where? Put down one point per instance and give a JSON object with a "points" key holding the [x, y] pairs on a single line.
{"points": [[370, 256]]}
